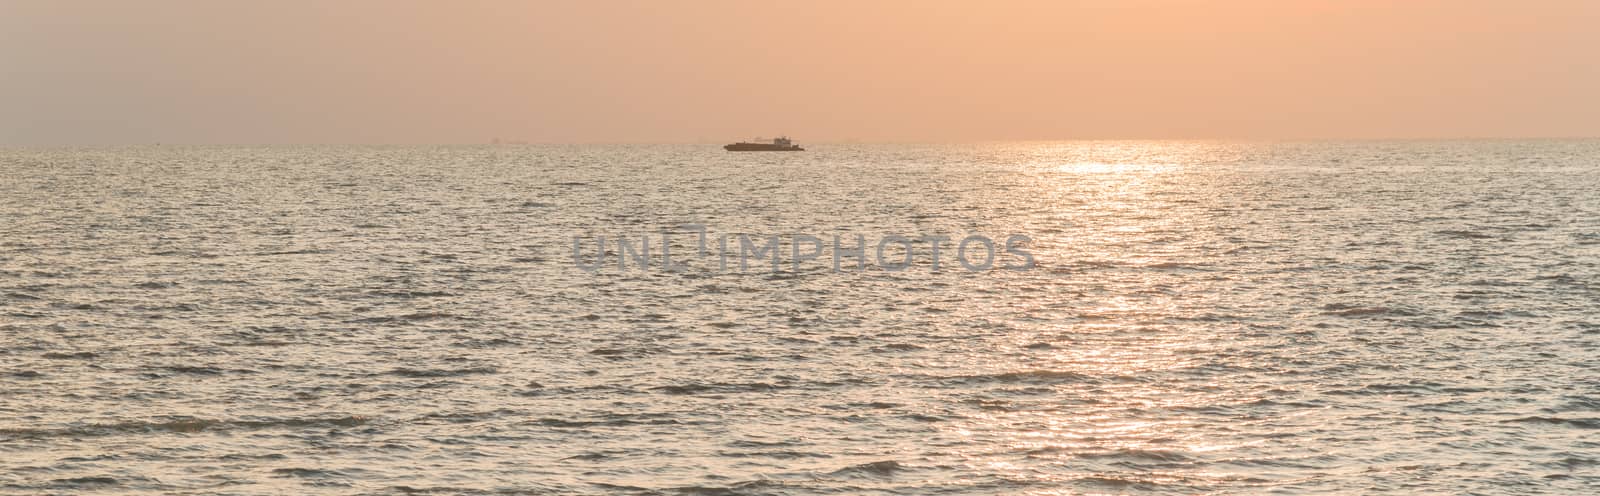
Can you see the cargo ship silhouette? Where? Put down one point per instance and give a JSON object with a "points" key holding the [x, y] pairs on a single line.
{"points": [[780, 144]]}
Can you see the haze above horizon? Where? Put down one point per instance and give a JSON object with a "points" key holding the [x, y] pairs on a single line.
{"points": [[404, 72]]}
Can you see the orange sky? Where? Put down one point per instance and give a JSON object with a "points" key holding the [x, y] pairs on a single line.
{"points": [[346, 71]]}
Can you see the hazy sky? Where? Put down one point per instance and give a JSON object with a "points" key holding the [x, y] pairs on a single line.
{"points": [[343, 71]]}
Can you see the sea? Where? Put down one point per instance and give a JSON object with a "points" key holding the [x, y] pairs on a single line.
{"points": [[1105, 317]]}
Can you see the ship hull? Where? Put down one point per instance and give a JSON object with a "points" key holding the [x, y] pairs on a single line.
{"points": [[761, 147]]}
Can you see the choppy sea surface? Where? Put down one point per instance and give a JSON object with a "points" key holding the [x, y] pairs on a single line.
{"points": [[1203, 318]]}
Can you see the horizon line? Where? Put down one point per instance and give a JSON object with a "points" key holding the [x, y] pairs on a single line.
{"points": [[514, 143]]}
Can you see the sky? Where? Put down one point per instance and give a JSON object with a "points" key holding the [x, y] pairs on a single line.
{"points": [[409, 71]]}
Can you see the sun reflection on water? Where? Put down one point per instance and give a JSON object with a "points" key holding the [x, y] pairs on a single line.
{"points": [[1130, 365]]}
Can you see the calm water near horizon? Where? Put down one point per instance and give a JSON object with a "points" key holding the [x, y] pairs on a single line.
{"points": [[1203, 318]]}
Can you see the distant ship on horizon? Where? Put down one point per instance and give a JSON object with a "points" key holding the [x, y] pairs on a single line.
{"points": [[779, 144]]}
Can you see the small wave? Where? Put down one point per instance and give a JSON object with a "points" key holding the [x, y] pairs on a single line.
{"points": [[721, 387], [1578, 404], [88, 481], [247, 457], [1242, 249], [614, 421], [180, 253], [1167, 456], [411, 317], [465, 417], [1170, 266], [433, 373], [734, 489], [183, 425], [308, 251], [1116, 482], [897, 347], [426, 316], [409, 294], [202, 370], [874, 469], [1463, 234], [1580, 423], [1342, 310], [307, 473], [1097, 264], [76, 355], [992, 405], [1574, 462], [1024, 376], [877, 405], [778, 454]]}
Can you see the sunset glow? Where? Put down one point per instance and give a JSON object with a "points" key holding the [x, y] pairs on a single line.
{"points": [[416, 71]]}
